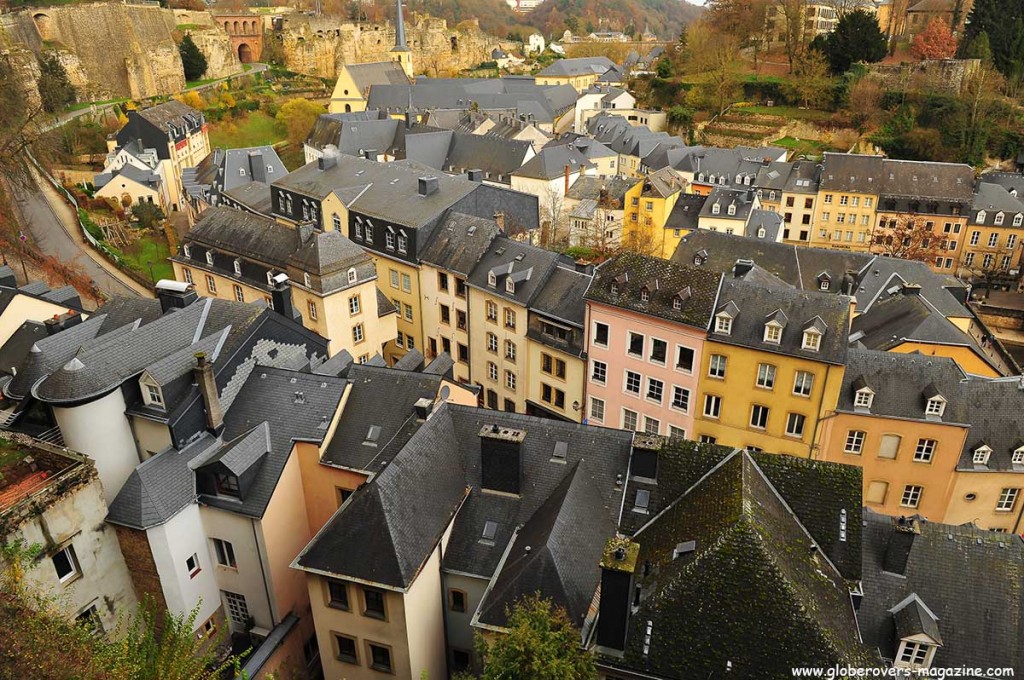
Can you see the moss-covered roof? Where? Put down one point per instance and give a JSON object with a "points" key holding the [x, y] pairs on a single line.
{"points": [[755, 591]]}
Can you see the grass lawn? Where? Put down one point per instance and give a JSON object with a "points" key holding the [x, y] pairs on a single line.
{"points": [[807, 147], [150, 248], [84, 105], [782, 111], [189, 84], [254, 129]]}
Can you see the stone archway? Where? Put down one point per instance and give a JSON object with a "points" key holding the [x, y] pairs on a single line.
{"points": [[245, 53], [45, 25]]}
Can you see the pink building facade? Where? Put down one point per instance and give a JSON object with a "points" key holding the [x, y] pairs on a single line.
{"points": [[646, 325]]}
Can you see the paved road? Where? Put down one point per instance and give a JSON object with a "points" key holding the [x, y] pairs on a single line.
{"points": [[50, 224]]}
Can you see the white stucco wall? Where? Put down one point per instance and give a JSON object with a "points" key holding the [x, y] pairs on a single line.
{"points": [[150, 437], [424, 606], [171, 544], [101, 430], [247, 578]]}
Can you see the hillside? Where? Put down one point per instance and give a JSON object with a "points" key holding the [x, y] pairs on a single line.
{"points": [[665, 17]]}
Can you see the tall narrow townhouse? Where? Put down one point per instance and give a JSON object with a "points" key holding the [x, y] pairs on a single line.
{"points": [[647, 322], [320, 278], [935, 198], [992, 245], [501, 288], [791, 189], [555, 345], [848, 193], [446, 263], [647, 209], [902, 419], [773, 365]]}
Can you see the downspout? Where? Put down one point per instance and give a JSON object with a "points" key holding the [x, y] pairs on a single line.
{"points": [[263, 574], [820, 416]]}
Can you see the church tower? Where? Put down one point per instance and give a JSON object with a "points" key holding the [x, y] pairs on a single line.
{"points": [[403, 55]]}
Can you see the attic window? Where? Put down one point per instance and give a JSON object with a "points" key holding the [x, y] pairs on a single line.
{"points": [[981, 455], [773, 332], [152, 395], [238, 267], [716, 209], [1018, 456], [560, 452], [270, 277], [677, 303], [812, 340], [863, 398], [732, 209], [761, 232], [305, 279], [723, 324], [372, 435], [187, 250], [492, 279], [823, 284], [645, 295], [642, 500], [913, 654], [936, 406], [698, 260], [510, 286], [981, 217], [615, 288], [352, 275], [226, 484], [209, 257], [241, 172], [490, 530]]}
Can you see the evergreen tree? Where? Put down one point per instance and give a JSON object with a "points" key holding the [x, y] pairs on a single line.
{"points": [[55, 90], [192, 59], [856, 38], [1002, 22], [977, 48]]}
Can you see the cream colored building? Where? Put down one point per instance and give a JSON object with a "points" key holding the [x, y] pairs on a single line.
{"points": [[333, 283]]}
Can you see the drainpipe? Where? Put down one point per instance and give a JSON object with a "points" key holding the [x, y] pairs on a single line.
{"points": [[263, 574], [818, 416]]}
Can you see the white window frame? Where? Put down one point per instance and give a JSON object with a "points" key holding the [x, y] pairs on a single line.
{"points": [[717, 365], [793, 418], [715, 401], [1007, 499], [925, 451], [72, 558], [759, 409], [773, 332], [766, 374], [981, 455], [911, 497], [803, 384], [935, 406], [723, 324], [863, 398], [811, 341], [855, 442]]}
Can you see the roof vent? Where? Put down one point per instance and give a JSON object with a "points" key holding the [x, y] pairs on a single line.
{"points": [[300, 398], [684, 548]]}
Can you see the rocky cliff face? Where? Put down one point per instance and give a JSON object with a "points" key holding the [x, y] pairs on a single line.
{"points": [[320, 45], [114, 50]]}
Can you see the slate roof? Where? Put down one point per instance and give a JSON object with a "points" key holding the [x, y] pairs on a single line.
{"points": [[884, 276], [527, 265], [224, 170], [400, 519], [577, 67], [328, 126], [993, 199], [146, 178], [971, 580], [631, 273], [741, 200], [768, 220], [902, 318], [686, 212], [993, 411], [1011, 181], [591, 188], [384, 398], [756, 302], [376, 73], [927, 180], [562, 296], [254, 196], [852, 173], [899, 380], [752, 569], [459, 243], [17, 347], [550, 163]]}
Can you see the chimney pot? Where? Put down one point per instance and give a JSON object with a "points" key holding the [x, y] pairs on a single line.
{"points": [[203, 373]]}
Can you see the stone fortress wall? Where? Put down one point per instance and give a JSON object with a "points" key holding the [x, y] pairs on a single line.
{"points": [[319, 46]]}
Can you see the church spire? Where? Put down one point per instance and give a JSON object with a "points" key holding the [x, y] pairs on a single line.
{"points": [[400, 45]]}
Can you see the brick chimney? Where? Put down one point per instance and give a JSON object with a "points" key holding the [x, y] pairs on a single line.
{"points": [[203, 373], [501, 466]]}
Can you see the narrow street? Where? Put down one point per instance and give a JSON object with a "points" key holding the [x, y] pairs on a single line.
{"points": [[50, 224]]}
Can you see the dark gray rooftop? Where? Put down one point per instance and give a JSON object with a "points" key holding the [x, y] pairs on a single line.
{"points": [[459, 242]]}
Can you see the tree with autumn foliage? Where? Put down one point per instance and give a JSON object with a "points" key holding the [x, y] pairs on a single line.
{"points": [[908, 237], [936, 41], [541, 644]]}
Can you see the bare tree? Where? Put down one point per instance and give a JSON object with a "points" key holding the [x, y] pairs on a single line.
{"points": [[844, 7], [991, 267], [793, 15], [897, 23], [907, 237]]}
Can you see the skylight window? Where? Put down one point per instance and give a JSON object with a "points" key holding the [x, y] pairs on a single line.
{"points": [[561, 449], [642, 500], [490, 530], [372, 436]]}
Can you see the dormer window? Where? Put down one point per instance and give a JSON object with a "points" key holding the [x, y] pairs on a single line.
{"points": [[226, 484], [981, 217], [823, 284], [761, 232], [152, 395], [863, 398], [492, 279], [241, 172], [306, 280], [981, 455], [187, 250], [510, 286], [352, 275], [716, 209], [723, 324], [1018, 220], [270, 278], [935, 406], [773, 332], [999, 219], [913, 654], [732, 209], [812, 340], [209, 257], [677, 303], [615, 288], [645, 295], [698, 260], [238, 267], [1018, 456]]}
